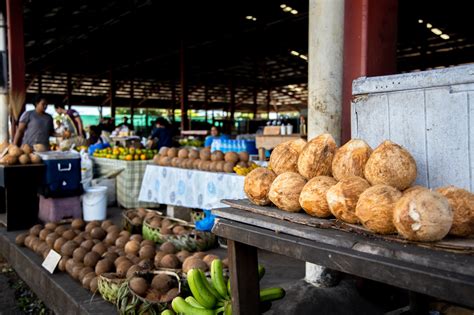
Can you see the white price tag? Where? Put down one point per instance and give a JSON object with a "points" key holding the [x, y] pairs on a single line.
{"points": [[51, 261]]}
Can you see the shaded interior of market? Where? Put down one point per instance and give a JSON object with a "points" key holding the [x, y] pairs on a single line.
{"points": [[245, 59]]}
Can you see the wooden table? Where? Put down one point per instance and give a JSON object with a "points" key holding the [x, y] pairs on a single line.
{"points": [[441, 274], [19, 195], [270, 141]]}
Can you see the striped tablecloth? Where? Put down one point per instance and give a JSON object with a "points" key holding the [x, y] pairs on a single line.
{"points": [[190, 188]]}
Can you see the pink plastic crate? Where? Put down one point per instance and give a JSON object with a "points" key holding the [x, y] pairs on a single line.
{"points": [[57, 209]]}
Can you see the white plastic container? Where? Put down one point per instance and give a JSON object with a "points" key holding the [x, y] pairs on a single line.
{"points": [[289, 129], [94, 203]]}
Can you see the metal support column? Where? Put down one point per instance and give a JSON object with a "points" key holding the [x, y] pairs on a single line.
{"points": [[132, 99], [112, 92], [255, 103], [69, 90], [3, 81], [370, 43], [184, 89]]}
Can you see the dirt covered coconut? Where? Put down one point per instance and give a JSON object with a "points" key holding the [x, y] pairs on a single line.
{"points": [[257, 185], [342, 198], [375, 208], [284, 157], [423, 215], [350, 159], [392, 165], [313, 196], [462, 204], [285, 191], [316, 157]]}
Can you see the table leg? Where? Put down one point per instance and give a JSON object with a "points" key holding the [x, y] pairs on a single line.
{"points": [[243, 264]]}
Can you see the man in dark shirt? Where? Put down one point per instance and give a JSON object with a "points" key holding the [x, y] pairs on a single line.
{"points": [[36, 126], [162, 133]]}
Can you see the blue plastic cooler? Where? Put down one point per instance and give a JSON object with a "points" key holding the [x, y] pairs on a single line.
{"points": [[62, 176]]}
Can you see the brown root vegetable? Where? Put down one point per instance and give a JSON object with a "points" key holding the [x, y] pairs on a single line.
{"points": [[285, 191], [69, 235], [93, 286], [91, 225], [62, 263], [316, 157], [375, 208], [423, 216], [257, 185], [313, 196], [350, 159], [392, 165], [462, 204], [342, 198]]}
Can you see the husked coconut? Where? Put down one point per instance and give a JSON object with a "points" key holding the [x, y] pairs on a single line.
{"points": [[350, 159], [172, 152], [193, 154], [183, 153], [231, 157], [316, 157], [285, 191], [392, 165], [462, 204], [423, 216], [313, 196], [205, 154], [217, 156], [375, 208], [284, 157], [342, 198], [413, 190], [257, 185]]}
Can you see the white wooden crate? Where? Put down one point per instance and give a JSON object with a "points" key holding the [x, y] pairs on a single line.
{"points": [[431, 113]]}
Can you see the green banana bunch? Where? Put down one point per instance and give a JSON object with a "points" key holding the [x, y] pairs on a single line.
{"points": [[213, 296]]}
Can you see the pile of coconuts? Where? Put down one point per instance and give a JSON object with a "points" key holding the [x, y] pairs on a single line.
{"points": [[89, 249], [159, 287], [167, 226], [15, 155], [135, 217], [360, 185], [202, 159]]}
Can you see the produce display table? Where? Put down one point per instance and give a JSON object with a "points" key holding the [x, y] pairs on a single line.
{"points": [[129, 180], [19, 195], [438, 273], [189, 188]]}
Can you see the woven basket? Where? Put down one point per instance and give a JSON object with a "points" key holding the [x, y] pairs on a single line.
{"points": [[149, 276], [108, 285], [154, 234], [129, 226]]}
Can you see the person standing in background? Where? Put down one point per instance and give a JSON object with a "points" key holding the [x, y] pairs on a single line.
{"points": [[71, 120], [35, 126], [215, 135], [161, 135]]}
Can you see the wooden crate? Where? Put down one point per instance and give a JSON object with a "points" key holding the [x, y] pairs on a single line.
{"points": [[431, 113]]}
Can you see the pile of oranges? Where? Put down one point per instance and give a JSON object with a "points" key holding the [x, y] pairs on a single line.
{"points": [[126, 154]]}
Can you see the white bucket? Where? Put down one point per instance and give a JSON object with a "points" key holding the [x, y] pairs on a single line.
{"points": [[94, 203]]}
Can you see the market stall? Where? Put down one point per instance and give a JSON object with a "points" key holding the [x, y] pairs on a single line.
{"points": [[128, 181], [189, 188]]}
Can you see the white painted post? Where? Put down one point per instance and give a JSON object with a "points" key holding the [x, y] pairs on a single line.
{"points": [[325, 54], [3, 81]]}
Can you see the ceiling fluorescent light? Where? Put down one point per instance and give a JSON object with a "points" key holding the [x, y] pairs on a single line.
{"points": [[444, 36], [420, 21], [436, 31], [304, 57], [295, 53], [287, 9], [428, 25], [282, 6], [294, 11]]}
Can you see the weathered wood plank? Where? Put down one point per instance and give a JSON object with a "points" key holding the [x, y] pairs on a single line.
{"points": [[243, 265], [301, 218], [407, 127], [372, 111], [447, 141], [384, 247], [432, 280], [470, 105]]}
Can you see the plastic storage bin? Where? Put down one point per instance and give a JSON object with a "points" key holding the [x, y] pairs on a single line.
{"points": [[62, 175], [57, 209]]}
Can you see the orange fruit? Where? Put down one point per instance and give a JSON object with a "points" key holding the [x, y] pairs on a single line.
{"points": [[128, 157], [136, 157], [143, 157]]}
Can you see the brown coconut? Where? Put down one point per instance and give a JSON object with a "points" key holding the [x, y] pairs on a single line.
{"points": [[157, 260], [350, 159], [170, 261], [27, 149], [217, 156], [20, 239], [316, 157], [161, 282], [123, 267], [228, 167], [231, 157], [257, 185], [284, 157], [35, 158], [392, 165], [183, 153], [194, 263], [193, 154], [146, 252], [91, 259], [79, 253], [243, 156], [342, 198], [375, 208], [462, 204], [205, 154], [103, 266], [68, 248], [168, 247], [182, 255], [285, 191], [423, 216], [24, 159], [208, 259], [313, 196], [172, 152], [138, 285]]}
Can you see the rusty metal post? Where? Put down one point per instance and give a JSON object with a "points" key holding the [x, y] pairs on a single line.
{"points": [[370, 43]]}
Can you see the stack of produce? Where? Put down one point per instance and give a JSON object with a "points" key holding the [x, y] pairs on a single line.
{"points": [[359, 185], [204, 160], [133, 219], [213, 296], [103, 257], [126, 154], [12, 154]]}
